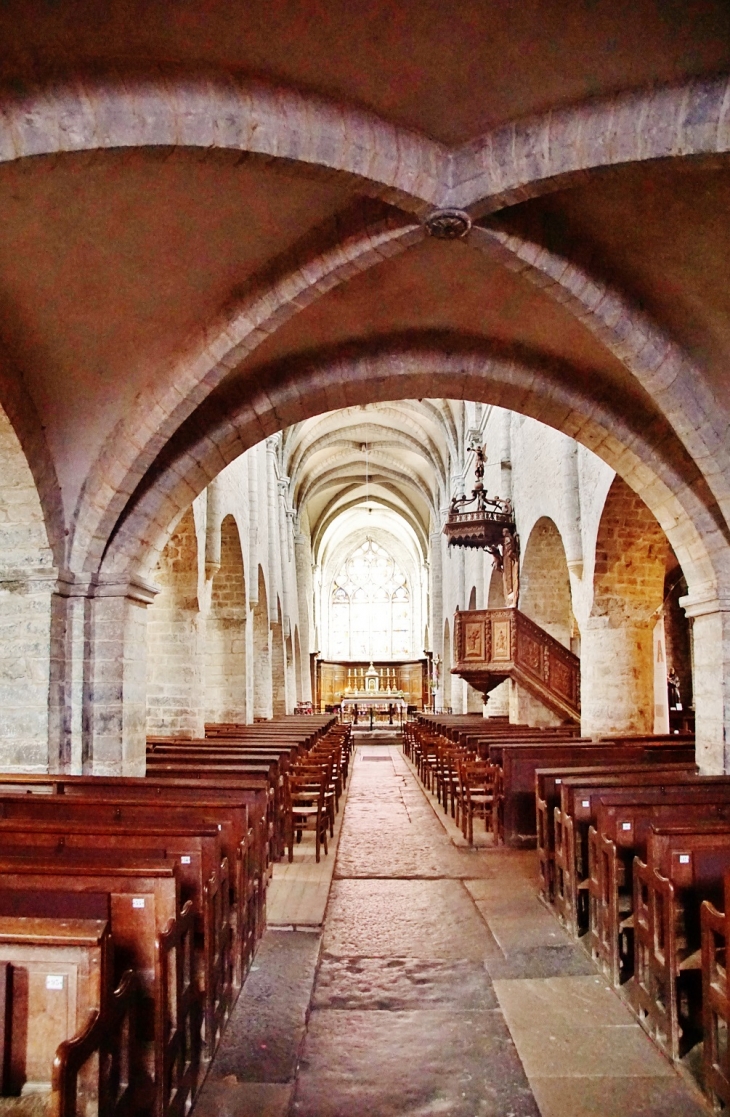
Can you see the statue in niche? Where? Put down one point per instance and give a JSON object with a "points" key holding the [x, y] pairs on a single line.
{"points": [[510, 566], [673, 691]]}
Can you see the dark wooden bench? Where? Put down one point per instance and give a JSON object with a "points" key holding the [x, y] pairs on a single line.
{"points": [[228, 811], [580, 797], [53, 973], [621, 833], [547, 798], [520, 760], [98, 1070], [248, 853], [684, 866], [204, 879], [152, 936], [715, 925]]}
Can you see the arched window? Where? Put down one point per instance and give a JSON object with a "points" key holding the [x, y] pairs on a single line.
{"points": [[370, 607]]}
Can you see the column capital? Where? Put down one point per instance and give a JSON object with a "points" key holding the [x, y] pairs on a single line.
{"points": [[705, 600], [69, 584]]}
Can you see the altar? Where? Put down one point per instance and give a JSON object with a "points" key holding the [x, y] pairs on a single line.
{"points": [[364, 683], [372, 698], [384, 707]]}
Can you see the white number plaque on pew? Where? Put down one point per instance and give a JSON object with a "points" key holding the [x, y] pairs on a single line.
{"points": [[54, 981], [684, 859], [138, 901], [625, 825], [185, 859]]}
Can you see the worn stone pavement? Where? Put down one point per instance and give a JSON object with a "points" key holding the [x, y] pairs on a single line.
{"points": [[440, 986]]}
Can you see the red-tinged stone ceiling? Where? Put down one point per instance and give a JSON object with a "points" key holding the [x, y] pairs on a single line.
{"points": [[451, 71], [207, 205]]}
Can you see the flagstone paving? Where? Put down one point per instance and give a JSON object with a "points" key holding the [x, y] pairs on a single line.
{"points": [[439, 987]]}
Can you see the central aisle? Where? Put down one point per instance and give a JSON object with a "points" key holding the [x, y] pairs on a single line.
{"points": [[404, 1017], [439, 986]]}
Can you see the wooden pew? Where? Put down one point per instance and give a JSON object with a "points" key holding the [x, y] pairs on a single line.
{"points": [[150, 931], [684, 866], [248, 779], [520, 760], [621, 833], [110, 1042], [227, 800], [580, 797], [228, 811], [204, 880], [547, 798], [53, 973], [715, 925], [195, 765]]}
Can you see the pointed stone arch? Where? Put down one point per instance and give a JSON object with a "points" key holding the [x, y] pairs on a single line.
{"points": [[262, 680], [225, 635], [175, 643], [617, 670], [545, 594]]}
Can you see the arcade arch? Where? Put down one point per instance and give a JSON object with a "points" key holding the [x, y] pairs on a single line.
{"points": [[633, 557], [263, 653], [174, 643], [545, 594], [225, 632]]}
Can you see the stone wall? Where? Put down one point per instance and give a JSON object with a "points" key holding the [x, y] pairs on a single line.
{"points": [[225, 635], [617, 668], [27, 578], [175, 640]]}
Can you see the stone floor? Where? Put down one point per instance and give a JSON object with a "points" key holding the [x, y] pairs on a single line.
{"points": [[438, 985]]}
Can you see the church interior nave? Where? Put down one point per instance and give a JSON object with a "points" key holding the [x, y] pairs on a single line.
{"points": [[364, 558]]}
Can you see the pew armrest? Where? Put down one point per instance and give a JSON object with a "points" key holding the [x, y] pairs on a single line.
{"points": [[112, 1032]]}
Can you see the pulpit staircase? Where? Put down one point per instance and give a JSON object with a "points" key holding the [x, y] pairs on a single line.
{"points": [[491, 645]]}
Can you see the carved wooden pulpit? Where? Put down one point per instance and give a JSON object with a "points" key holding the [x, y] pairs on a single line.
{"points": [[491, 645]]}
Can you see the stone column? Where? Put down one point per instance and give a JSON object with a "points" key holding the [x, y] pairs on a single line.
{"points": [[303, 563], [498, 704], [504, 452], [436, 620], [461, 577], [66, 691], [253, 530], [272, 532], [115, 690], [98, 694], [213, 529], [281, 510], [571, 533], [710, 615], [25, 626], [617, 677]]}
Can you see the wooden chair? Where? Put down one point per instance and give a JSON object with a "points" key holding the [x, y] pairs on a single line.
{"points": [[306, 804], [479, 785], [447, 778], [315, 768]]}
